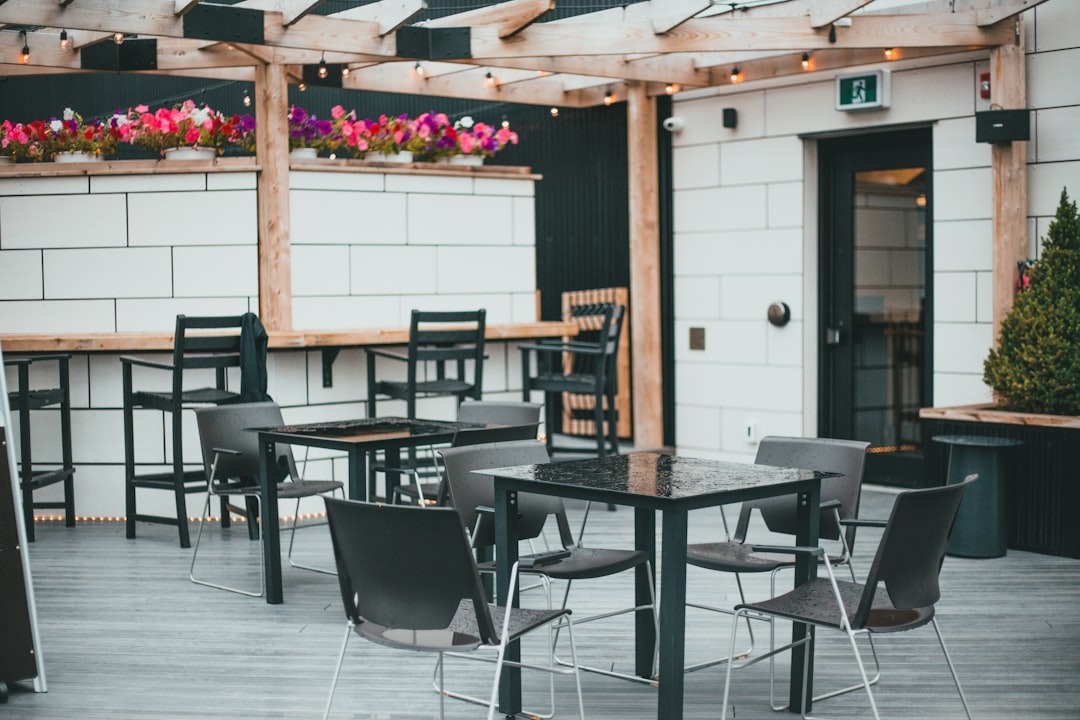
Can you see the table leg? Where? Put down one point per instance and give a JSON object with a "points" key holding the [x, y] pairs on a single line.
{"points": [[644, 590], [673, 619], [506, 550], [806, 535], [271, 539], [357, 471]]}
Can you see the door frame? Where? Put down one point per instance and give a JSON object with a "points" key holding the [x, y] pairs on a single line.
{"points": [[849, 153]]}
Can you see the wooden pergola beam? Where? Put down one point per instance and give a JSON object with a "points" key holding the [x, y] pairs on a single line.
{"points": [[389, 15], [508, 18]]}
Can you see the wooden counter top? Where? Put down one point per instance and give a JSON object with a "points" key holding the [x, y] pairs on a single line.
{"points": [[990, 414], [279, 340]]}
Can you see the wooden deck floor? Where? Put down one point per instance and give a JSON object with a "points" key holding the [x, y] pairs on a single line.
{"points": [[126, 636]]}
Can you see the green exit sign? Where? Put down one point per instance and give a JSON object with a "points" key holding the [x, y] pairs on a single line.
{"points": [[862, 91]]}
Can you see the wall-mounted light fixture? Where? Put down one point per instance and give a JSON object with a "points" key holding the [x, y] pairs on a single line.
{"points": [[24, 55]]}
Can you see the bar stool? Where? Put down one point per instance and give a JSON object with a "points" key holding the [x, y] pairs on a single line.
{"points": [[24, 399]]}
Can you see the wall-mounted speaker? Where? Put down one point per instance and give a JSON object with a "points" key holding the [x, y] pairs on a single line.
{"points": [[1002, 126]]}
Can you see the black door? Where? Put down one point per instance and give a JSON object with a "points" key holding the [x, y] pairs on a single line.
{"points": [[875, 245]]}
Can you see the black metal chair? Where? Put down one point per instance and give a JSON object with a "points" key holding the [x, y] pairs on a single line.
{"points": [[438, 341], [231, 460], [508, 421], [32, 476], [472, 493], [217, 344], [908, 562], [409, 581], [840, 497], [581, 367]]}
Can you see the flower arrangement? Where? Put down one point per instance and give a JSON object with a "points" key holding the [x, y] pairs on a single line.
{"points": [[71, 133], [482, 139], [187, 125], [308, 131], [21, 142]]}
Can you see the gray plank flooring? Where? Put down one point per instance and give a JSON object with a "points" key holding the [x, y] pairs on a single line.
{"points": [[126, 636]]}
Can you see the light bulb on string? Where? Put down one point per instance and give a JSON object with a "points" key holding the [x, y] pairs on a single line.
{"points": [[302, 87], [609, 96], [345, 71], [323, 71], [672, 88], [118, 38], [24, 55], [735, 72], [888, 53], [247, 98], [65, 41], [806, 61], [489, 79], [554, 112], [418, 69]]}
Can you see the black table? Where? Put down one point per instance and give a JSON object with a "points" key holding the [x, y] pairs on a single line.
{"points": [[674, 485], [356, 438]]}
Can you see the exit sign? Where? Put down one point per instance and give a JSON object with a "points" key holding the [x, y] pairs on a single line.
{"points": [[862, 91]]}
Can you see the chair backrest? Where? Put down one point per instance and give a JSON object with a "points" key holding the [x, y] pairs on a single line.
{"points": [[469, 490], [603, 323], [846, 457], [220, 342], [442, 337], [912, 548], [405, 567], [226, 426], [499, 412]]}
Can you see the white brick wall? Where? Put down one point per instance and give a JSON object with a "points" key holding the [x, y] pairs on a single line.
{"points": [[130, 252], [735, 189]]}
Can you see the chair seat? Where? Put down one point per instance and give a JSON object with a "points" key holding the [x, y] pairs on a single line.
{"points": [[583, 563], [815, 602], [734, 557], [445, 386], [307, 488], [201, 396], [578, 382], [36, 399]]}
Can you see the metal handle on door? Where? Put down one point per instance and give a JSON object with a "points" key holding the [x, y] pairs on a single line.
{"points": [[833, 336]]}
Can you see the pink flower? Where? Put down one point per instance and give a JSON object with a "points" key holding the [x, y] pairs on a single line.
{"points": [[192, 135], [337, 112]]}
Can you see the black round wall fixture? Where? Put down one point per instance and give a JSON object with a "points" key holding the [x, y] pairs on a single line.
{"points": [[779, 314]]}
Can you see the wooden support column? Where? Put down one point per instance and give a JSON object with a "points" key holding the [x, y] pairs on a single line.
{"points": [[645, 331], [1009, 170], [272, 152]]}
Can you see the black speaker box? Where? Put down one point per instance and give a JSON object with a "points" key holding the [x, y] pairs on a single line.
{"points": [[1002, 126]]}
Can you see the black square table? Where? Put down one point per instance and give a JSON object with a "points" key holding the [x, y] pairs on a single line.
{"points": [[673, 485], [356, 438]]}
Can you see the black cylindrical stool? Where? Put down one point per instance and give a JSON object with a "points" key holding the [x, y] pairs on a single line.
{"points": [[979, 530]]}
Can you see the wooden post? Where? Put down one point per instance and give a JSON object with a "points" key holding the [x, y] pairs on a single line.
{"points": [[1009, 170], [272, 151], [644, 269]]}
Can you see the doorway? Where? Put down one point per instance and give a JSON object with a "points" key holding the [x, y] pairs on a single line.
{"points": [[875, 260]]}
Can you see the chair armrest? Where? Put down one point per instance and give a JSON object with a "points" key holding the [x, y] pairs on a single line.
{"points": [[789, 549], [227, 451], [574, 347], [386, 354], [856, 522], [128, 360], [830, 504]]}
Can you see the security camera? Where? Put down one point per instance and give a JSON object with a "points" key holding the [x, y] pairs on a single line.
{"points": [[674, 124]]}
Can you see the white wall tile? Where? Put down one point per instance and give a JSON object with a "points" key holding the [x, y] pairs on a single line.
{"points": [[524, 229], [960, 389], [955, 297], [356, 182], [215, 271], [1052, 80], [320, 270], [1053, 26], [28, 185], [720, 209], [963, 245], [171, 182], [108, 273], [523, 307], [785, 205], [955, 146], [430, 184], [963, 194], [695, 166], [231, 181], [497, 304], [703, 118], [785, 344], [1056, 140], [332, 313], [391, 270], [150, 314], [697, 298], [504, 186], [984, 294], [322, 218], [1045, 183], [445, 220], [699, 427], [20, 275], [734, 437], [479, 269], [33, 221], [748, 298], [961, 347], [234, 217], [758, 161]]}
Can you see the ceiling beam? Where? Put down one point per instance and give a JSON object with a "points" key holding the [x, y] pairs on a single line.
{"points": [[669, 14], [183, 6], [509, 18], [389, 15], [825, 13]]}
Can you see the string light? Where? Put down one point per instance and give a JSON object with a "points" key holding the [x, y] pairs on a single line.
{"points": [[345, 71], [24, 56], [505, 122], [65, 41], [302, 87], [323, 71], [489, 79], [672, 88], [888, 53], [118, 38], [554, 112], [735, 74], [806, 61], [418, 69], [247, 98], [609, 97]]}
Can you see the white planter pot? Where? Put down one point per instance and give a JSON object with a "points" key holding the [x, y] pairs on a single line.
{"points": [[470, 160], [304, 153], [76, 156], [190, 153], [6, 160], [402, 157]]}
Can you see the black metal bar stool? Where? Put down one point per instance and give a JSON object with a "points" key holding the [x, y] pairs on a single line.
{"points": [[24, 399]]}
